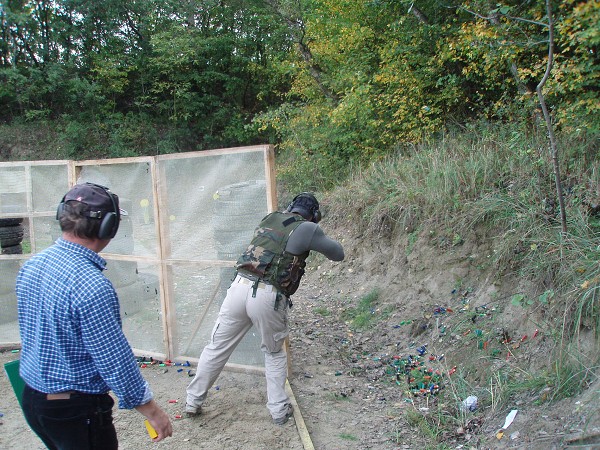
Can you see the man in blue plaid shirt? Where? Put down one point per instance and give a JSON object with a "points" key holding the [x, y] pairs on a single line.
{"points": [[73, 348]]}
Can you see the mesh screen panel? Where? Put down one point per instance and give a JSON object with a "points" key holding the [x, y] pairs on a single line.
{"points": [[9, 329], [133, 184], [139, 294], [211, 207], [48, 185], [13, 190], [45, 231], [212, 204], [189, 216]]}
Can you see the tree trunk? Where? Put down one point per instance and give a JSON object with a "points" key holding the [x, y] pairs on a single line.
{"points": [[548, 119]]}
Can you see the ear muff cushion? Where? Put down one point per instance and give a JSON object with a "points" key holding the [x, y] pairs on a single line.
{"points": [[60, 209], [317, 216], [109, 226], [110, 222]]}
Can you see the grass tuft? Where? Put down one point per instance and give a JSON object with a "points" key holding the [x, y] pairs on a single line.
{"points": [[364, 313]]}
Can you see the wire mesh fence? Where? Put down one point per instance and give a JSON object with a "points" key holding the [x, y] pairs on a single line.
{"points": [[189, 217]]}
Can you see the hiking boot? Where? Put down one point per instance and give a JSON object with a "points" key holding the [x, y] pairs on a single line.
{"points": [[192, 410], [283, 420]]}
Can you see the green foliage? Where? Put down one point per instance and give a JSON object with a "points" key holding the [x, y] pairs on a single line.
{"points": [[363, 314], [322, 312], [433, 180], [577, 75], [335, 85], [76, 138], [348, 437], [401, 77], [495, 180], [201, 74], [524, 301], [568, 375], [432, 425], [533, 241], [317, 158]]}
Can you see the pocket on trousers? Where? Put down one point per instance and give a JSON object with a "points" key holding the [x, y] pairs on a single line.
{"points": [[69, 427], [106, 403], [103, 435], [280, 334]]}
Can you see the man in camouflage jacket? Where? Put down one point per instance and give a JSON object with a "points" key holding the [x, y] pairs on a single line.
{"points": [[269, 272]]}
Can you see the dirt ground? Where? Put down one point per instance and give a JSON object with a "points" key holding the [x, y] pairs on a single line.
{"points": [[235, 416], [439, 307]]}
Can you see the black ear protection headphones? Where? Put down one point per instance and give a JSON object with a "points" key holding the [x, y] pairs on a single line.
{"points": [[110, 220], [313, 209]]}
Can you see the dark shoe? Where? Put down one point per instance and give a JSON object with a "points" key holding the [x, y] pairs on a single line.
{"points": [[283, 420]]}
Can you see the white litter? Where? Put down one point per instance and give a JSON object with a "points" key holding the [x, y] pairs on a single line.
{"points": [[469, 404], [509, 419]]}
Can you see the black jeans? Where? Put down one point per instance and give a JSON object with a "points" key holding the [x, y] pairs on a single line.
{"points": [[82, 422]]}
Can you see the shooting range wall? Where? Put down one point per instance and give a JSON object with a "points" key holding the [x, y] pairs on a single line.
{"points": [[190, 215]]}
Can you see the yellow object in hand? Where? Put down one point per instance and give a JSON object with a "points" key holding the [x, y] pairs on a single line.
{"points": [[151, 431]]}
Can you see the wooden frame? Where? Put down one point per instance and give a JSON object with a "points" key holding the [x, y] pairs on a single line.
{"points": [[162, 259]]}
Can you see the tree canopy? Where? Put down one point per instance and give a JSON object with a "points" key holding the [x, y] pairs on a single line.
{"points": [[331, 82]]}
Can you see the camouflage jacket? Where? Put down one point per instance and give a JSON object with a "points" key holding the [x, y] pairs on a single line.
{"points": [[266, 259]]}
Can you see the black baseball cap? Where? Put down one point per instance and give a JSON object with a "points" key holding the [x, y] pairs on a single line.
{"points": [[307, 205], [98, 199]]}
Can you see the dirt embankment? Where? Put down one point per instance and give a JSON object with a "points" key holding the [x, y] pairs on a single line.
{"points": [[439, 324], [385, 346]]}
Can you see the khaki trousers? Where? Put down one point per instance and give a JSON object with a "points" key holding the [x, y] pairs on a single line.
{"points": [[240, 310]]}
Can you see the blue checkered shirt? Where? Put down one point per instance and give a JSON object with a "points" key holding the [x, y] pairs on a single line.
{"points": [[70, 327]]}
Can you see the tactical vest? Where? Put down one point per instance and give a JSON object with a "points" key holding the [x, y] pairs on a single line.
{"points": [[266, 259]]}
